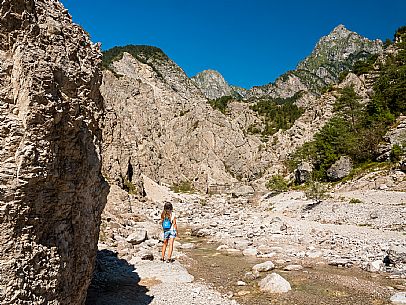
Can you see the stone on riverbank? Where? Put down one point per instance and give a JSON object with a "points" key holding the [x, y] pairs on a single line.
{"points": [[137, 237], [398, 298], [274, 283], [263, 267]]}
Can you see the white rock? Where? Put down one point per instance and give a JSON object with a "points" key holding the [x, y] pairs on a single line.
{"points": [[241, 283], [233, 251], [137, 237], [398, 298], [197, 290], [274, 283], [293, 268], [375, 266], [187, 246], [222, 247], [263, 267], [250, 252]]}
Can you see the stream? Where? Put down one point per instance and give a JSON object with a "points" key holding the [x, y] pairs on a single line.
{"points": [[318, 283]]}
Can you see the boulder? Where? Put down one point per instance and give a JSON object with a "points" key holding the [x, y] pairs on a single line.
{"points": [[303, 173], [398, 298], [375, 266], [244, 190], [263, 267], [137, 237], [397, 254], [274, 283], [340, 169], [250, 252]]}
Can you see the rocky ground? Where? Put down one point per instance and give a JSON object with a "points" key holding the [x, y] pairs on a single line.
{"points": [[358, 228]]}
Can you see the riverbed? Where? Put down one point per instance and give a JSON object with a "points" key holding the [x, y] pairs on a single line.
{"points": [[317, 283]]}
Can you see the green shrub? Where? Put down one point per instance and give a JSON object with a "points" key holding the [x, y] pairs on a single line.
{"points": [[129, 186], [316, 191], [396, 153], [182, 187], [277, 184], [221, 103], [365, 66], [355, 201]]}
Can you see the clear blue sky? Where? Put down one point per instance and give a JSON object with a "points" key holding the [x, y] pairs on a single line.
{"points": [[250, 42]]}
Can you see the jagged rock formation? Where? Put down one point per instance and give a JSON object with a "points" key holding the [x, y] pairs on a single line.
{"points": [[51, 189], [159, 124], [396, 136], [333, 54], [212, 84]]}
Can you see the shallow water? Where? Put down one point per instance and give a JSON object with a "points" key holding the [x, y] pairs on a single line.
{"points": [[316, 284]]}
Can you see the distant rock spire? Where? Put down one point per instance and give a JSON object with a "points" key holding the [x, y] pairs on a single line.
{"points": [[212, 84]]}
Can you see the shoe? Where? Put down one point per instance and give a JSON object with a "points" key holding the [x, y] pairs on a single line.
{"points": [[170, 260], [162, 259]]}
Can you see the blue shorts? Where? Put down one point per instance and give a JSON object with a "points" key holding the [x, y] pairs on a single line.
{"points": [[169, 234]]}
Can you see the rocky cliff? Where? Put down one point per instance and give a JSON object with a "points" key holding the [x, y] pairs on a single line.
{"points": [[333, 54], [159, 124], [212, 84], [51, 188]]}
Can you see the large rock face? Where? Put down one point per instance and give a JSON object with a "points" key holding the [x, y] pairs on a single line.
{"points": [[51, 189], [212, 84], [159, 124]]}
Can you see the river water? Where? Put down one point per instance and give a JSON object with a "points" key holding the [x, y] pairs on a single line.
{"points": [[317, 284]]}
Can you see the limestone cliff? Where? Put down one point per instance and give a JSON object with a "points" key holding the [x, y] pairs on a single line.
{"points": [[51, 188], [212, 84], [159, 124], [333, 54]]}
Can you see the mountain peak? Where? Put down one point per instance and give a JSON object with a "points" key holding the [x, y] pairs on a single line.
{"points": [[339, 32], [340, 29], [337, 52], [212, 84]]}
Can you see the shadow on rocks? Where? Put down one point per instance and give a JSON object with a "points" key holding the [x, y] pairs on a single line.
{"points": [[115, 282]]}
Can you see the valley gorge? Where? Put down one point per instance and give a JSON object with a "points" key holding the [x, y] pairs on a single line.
{"points": [[92, 144]]}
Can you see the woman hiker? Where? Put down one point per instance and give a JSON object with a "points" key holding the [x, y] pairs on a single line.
{"points": [[170, 228]]}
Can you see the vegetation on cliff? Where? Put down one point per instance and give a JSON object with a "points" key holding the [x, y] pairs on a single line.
{"points": [[277, 113], [221, 103], [145, 54], [357, 129]]}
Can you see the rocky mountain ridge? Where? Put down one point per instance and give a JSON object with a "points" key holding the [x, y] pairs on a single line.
{"points": [[333, 54], [162, 145], [176, 137]]}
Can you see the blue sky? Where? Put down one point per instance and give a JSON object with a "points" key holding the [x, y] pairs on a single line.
{"points": [[250, 42]]}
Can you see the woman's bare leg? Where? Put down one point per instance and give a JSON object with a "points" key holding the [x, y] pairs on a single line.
{"points": [[171, 240], [164, 248]]}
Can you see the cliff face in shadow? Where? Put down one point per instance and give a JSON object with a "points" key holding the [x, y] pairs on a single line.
{"points": [[51, 189]]}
